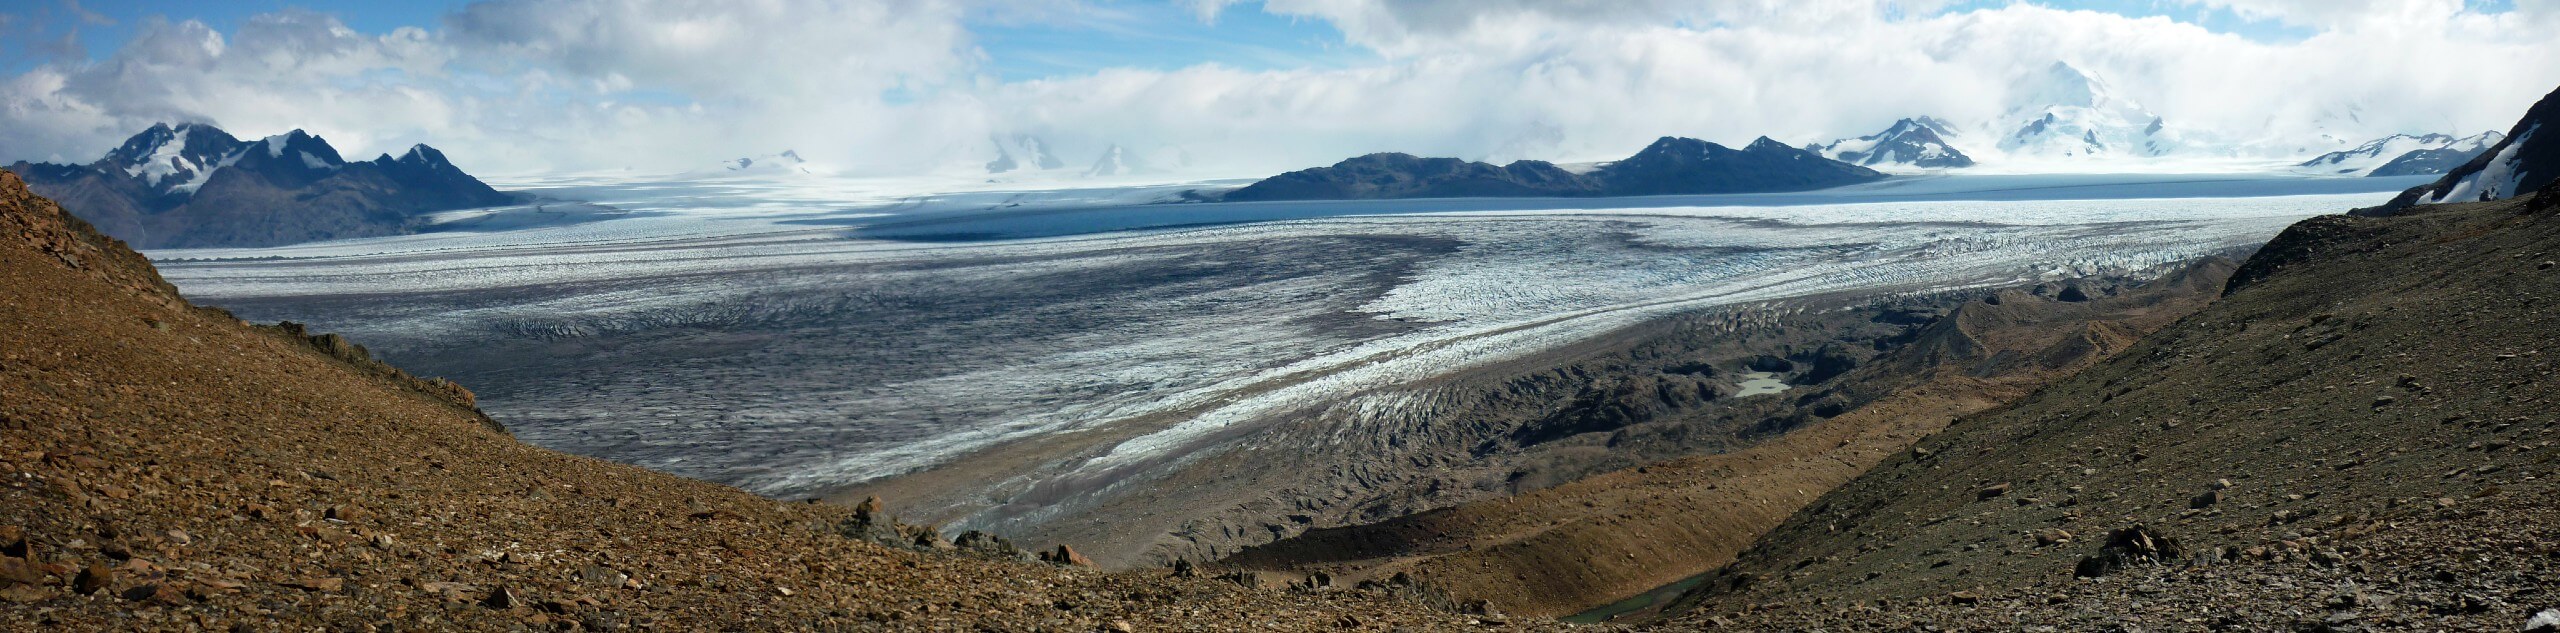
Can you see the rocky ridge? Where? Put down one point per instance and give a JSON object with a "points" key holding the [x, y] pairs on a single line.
{"points": [[2355, 437], [1669, 166]]}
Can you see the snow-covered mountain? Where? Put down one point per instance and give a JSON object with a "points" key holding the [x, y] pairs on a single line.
{"points": [[174, 161], [2527, 160], [196, 185], [2065, 113], [1022, 152], [2402, 155], [1115, 161], [787, 162], [2056, 116], [1912, 143]]}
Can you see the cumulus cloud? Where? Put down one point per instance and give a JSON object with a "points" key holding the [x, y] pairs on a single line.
{"points": [[535, 86], [899, 86], [1572, 80], [282, 70]]}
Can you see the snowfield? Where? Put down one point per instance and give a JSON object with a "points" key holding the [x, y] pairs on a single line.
{"points": [[796, 337]]}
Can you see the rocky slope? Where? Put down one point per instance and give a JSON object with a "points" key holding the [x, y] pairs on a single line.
{"points": [[2526, 160], [1671, 165], [2356, 436], [1576, 546], [172, 468], [193, 185]]}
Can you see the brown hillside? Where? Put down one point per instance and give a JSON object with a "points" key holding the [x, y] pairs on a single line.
{"points": [[171, 468], [2358, 436], [1569, 548]]}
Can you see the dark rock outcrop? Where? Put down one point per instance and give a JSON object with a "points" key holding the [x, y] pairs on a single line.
{"points": [[2127, 547], [871, 522]]}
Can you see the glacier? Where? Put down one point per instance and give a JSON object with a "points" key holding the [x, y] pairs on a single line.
{"points": [[795, 336]]}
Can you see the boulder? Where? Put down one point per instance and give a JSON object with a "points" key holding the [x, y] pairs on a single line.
{"points": [[2126, 547], [989, 545], [871, 522], [1990, 492], [1066, 556]]}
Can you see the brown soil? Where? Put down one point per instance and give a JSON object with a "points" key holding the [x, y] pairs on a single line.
{"points": [[1573, 547], [2359, 435], [169, 467]]}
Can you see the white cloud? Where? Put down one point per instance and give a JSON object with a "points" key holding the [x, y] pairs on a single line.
{"points": [[887, 86], [2336, 13]]}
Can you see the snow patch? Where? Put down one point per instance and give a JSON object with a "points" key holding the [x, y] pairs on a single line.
{"points": [[2499, 179], [168, 159]]}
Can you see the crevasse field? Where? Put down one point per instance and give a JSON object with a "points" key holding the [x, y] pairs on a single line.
{"points": [[796, 336]]}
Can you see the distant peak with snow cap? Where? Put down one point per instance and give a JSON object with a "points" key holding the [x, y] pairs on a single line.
{"points": [[1911, 143], [2065, 112]]}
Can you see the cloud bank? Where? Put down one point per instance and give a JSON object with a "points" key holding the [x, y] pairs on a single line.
{"points": [[901, 86]]}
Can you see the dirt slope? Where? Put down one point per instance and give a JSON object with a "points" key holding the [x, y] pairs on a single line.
{"points": [[1566, 549], [2358, 435], [169, 467]]}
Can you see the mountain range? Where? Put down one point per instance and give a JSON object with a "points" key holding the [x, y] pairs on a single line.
{"points": [[1671, 165], [194, 185], [2403, 155], [1023, 152]]}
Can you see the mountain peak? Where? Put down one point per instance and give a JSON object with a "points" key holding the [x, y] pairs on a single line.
{"points": [[1910, 142], [421, 154], [172, 160], [2061, 85], [1675, 146], [277, 144], [1022, 151], [1114, 161], [297, 146], [2064, 112]]}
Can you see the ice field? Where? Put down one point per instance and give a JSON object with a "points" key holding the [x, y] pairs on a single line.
{"points": [[792, 337]]}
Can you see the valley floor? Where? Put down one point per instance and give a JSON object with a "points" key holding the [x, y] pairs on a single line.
{"points": [[735, 334]]}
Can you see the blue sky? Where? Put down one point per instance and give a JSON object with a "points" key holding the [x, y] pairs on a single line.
{"points": [[535, 86], [1145, 34]]}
